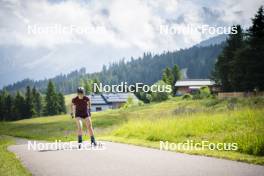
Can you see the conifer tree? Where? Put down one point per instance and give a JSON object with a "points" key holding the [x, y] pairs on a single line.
{"points": [[225, 72], [61, 103], [51, 107], [29, 107], [19, 106], [176, 76], [37, 101], [255, 56]]}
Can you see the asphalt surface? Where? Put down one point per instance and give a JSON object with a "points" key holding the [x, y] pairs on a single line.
{"points": [[114, 159]]}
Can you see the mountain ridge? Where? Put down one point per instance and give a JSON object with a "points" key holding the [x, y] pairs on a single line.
{"points": [[197, 61]]}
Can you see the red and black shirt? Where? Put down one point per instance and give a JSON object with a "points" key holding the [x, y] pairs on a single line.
{"points": [[81, 109]]}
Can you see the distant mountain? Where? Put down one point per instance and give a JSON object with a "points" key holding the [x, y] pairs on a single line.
{"points": [[197, 62], [213, 40]]}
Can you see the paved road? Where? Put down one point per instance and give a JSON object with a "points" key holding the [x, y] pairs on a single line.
{"points": [[128, 160]]}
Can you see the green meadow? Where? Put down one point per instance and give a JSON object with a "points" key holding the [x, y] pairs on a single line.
{"points": [[8, 161], [237, 120]]}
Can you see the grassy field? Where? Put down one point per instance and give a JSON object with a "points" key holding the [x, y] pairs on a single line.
{"points": [[238, 121], [8, 161]]}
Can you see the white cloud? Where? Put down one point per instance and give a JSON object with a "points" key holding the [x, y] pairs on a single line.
{"points": [[238, 11], [127, 23], [130, 28]]}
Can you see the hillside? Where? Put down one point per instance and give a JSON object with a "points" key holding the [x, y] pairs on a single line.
{"points": [[198, 61], [213, 40], [217, 121]]}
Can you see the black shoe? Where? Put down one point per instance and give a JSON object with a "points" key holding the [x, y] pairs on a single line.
{"points": [[79, 141], [93, 142]]}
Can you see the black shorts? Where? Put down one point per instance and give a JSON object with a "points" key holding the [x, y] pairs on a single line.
{"points": [[83, 115]]}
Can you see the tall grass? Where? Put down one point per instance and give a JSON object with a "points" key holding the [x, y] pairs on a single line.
{"points": [[244, 127]]}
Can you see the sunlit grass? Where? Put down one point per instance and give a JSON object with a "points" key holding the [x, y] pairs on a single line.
{"points": [[9, 164], [234, 120], [244, 127]]}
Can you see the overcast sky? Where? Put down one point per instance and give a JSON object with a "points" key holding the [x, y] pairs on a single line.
{"points": [[98, 32]]}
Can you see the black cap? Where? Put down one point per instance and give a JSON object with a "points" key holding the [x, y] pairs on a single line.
{"points": [[80, 90]]}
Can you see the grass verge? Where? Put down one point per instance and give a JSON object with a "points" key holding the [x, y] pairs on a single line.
{"points": [[10, 165], [244, 127]]}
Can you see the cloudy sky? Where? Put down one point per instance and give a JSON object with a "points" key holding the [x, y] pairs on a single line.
{"points": [[40, 39]]}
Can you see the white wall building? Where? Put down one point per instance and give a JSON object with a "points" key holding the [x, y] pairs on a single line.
{"points": [[190, 85], [101, 102]]}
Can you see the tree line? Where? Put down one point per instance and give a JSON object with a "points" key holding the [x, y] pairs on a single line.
{"points": [[197, 61], [169, 77], [31, 103], [240, 66]]}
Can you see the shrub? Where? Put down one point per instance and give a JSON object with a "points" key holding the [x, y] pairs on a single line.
{"points": [[130, 102], [149, 97], [204, 92], [160, 96], [187, 96]]}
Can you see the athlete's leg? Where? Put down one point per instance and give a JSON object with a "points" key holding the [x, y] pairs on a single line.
{"points": [[79, 125], [88, 123], [79, 128], [89, 126]]}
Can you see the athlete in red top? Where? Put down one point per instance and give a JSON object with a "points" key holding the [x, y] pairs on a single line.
{"points": [[81, 110]]}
